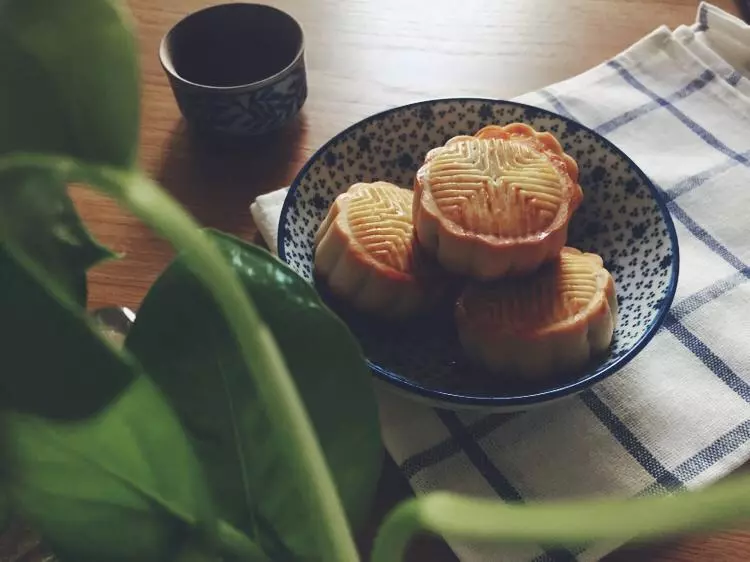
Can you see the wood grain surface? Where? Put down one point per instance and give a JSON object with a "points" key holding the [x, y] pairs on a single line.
{"points": [[365, 56]]}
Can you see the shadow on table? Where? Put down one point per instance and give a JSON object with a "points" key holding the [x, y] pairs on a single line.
{"points": [[217, 179]]}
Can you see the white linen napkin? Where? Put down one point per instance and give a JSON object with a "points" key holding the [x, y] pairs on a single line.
{"points": [[678, 416]]}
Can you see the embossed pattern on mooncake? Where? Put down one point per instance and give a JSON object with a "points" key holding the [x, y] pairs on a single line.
{"points": [[496, 187], [551, 322], [380, 220]]}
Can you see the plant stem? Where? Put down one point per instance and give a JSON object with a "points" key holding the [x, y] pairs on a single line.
{"points": [[257, 345], [259, 350], [396, 531], [563, 523]]}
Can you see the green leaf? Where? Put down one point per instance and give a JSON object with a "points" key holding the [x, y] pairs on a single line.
{"points": [[122, 486], [5, 511], [38, 218], [71, 80], [121, 482], [54, 364], [182, 339]]}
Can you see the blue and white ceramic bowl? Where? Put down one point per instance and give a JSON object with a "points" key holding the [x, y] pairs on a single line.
{"points": [[622, 218]]}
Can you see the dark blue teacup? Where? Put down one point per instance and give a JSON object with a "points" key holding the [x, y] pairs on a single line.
{"points": [[236, 69]]}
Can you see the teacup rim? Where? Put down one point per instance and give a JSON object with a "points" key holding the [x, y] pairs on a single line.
{"points": [[166, 60]]}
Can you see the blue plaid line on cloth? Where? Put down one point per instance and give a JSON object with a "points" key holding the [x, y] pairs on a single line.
{"points": [[555, 103], [706, 136], [734, 78], [702, 19], [704, 236], [690, 183], [707, 457], [710, 359], [471, 448], [449, 447], [699, 83], [696, 300], [484, 465], [629, 441]]}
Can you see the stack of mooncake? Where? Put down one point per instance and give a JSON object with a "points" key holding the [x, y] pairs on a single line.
{"points": [[491, 212]]}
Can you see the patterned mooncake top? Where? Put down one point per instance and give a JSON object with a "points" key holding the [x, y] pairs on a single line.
{"points": [[504, 182], [380, 219]]}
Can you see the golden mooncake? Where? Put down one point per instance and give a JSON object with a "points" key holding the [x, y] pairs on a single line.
{"points": [[548, 324], [497, 203], [366, 253]]}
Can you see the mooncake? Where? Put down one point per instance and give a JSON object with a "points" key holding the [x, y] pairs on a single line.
{"points": [[497, 203], [546, 325], [366, 253]]}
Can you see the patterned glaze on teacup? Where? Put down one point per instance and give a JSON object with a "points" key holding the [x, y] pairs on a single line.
{"points": [[236, 69]]}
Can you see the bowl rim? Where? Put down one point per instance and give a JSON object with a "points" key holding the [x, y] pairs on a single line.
{"points": [[541, 396]]}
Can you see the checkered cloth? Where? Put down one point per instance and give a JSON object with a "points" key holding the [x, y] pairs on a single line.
{"points": [[678, 416]]}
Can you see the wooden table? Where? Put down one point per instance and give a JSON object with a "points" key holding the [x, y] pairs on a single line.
{"points": [[362, 56]]}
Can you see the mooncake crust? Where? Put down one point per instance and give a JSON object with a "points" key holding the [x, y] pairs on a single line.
{"points": [[496, 203], [366, 253], [550, 324]]}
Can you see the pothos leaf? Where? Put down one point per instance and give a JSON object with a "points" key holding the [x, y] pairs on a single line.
{"points": [[71, 81], [182, 339], [53, 363], [71, 88], [118, 482], [121, 486], [39, 219], [5, 511]]}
